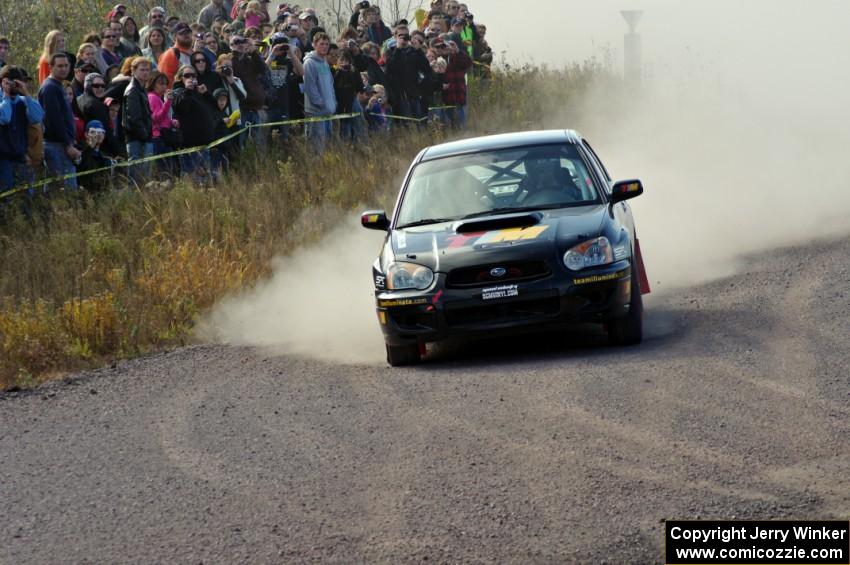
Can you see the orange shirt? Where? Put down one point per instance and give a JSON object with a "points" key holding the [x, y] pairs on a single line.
{"points": [[43, 69], [169, 64]]}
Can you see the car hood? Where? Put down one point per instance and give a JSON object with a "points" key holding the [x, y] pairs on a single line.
{"points": [[523, 236]]}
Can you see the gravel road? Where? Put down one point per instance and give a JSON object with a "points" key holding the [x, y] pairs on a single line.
{"points": [[551, 449]]}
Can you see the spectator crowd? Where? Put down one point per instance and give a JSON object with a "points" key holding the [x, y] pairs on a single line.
{"points": [[132, 91]]}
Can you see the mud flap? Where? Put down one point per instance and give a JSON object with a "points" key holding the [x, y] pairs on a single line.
{"points": [[642, 278]]}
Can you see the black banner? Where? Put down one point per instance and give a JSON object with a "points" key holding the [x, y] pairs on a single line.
{"points": [[745, 542]]}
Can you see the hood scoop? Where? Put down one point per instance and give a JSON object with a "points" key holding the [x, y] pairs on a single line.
{"points": [[499, 223]]}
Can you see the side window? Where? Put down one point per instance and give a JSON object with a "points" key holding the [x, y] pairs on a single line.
{"points": [[580, 176], [596, 160]]}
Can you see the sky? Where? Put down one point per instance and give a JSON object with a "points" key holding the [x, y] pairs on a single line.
{"points": [[775, 37]]}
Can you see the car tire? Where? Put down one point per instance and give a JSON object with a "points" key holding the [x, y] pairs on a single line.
{"points": [[628, 330], [401, 355]]}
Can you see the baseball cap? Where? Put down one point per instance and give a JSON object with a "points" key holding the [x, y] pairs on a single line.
{"points": [[401, 22], [95, 124], [80, 64], [219, 92], [182, 27]]}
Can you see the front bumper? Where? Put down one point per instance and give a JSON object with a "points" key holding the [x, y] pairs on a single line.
{"points": [[594, 295]]}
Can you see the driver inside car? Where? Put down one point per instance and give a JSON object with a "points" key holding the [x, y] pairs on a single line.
{"points": [[547, 182]]}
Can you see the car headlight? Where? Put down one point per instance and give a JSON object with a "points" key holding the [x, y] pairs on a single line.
{"points": [[591, 253], [405, 276]]}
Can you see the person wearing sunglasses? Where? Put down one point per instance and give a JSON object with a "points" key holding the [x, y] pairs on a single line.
{"points": [[208, 80], [92, 106], [192, 107], [108, 47], [81, 71]]}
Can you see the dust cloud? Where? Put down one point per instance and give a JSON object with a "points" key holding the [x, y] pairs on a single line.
{"points": [[739, 133], [319, 302]]}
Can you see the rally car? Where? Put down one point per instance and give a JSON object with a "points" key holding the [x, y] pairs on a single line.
{"points": [[507, 233]]}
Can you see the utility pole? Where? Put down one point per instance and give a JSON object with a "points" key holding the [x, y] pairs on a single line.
{"points": [[632, 55]]}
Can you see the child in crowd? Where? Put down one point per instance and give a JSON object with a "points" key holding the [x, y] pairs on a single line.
{"points": [[92, 158]]}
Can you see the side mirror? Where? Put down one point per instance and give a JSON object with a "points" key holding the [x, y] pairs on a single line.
{"points": [[375, 220], [626, 189]]}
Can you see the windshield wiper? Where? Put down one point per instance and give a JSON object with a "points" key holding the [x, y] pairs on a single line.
{"points": [[425, 222]]}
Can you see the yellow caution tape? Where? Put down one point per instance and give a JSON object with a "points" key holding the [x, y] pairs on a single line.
{"points": [[187, 150]]}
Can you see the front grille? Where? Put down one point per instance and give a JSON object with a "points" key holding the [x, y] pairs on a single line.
{"points": [[471, 277], [502, 312]]}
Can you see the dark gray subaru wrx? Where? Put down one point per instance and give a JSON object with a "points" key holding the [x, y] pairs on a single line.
{"points": [[507, 233]]}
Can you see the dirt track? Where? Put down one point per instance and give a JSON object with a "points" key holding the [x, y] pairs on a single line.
{"points": [[737, 404]]}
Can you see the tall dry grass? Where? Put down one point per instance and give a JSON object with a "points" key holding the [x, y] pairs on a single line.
{"points": [[132, 271]]}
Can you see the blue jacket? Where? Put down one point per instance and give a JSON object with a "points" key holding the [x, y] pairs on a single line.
{"points": [[58, 119], [319, 97], [16, 114]]}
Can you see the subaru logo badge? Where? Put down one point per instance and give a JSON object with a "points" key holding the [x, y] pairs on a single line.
{"points": [[498, 272]]}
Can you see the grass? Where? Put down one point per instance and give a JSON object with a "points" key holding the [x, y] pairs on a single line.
{"points": [[132, 272]]}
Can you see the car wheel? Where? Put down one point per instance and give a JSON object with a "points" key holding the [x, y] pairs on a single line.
{"points": [[628, 330], [401, 355]]}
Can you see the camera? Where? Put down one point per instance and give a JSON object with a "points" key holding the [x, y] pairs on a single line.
{"points": [[364, 4], [227, 71], [469, 17]]}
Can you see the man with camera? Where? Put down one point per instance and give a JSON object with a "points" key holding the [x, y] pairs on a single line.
{"points": [[454, 85], [249, 66], [284, 62], [407, 71], [17, 112]]}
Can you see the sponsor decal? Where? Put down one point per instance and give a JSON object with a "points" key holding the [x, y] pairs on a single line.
{"points": [[401, 240], [460, 240], [380, 281], [599, 278], [496, 236], [382, 316], [504, 291], [512, 234], [402, 302], [498, 272]]}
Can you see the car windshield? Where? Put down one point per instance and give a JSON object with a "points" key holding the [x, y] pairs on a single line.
{"points": [[497, 182]]}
